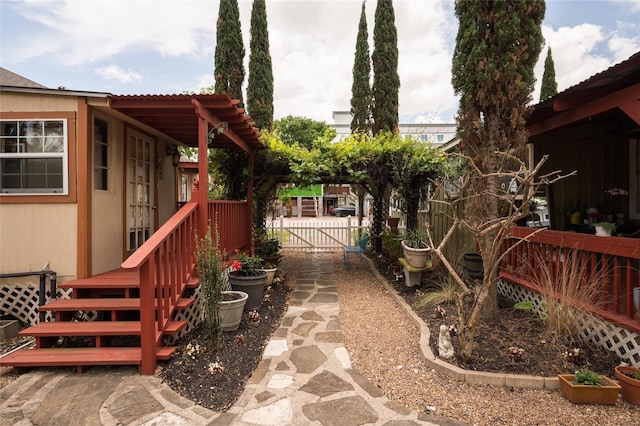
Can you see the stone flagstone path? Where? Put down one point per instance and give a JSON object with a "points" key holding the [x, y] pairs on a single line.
{"points": [[305, 376]]}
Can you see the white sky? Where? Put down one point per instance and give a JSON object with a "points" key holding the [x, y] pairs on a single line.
{"points": [[167, 46]]}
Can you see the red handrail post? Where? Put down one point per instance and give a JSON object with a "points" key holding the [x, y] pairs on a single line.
{"points": [[147, 317]]}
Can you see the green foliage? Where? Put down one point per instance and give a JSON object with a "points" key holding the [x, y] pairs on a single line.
{"points": [[302, 131], [415, 238], [360, 88], [588, 378], [247, 265], [268, 248], [446, 293], [260, 86], [549, 86], [526, 305], [386, 81], [229, 54], [208, 261]]}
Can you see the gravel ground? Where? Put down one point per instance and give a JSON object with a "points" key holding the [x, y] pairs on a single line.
{"points": [[383, 345]]}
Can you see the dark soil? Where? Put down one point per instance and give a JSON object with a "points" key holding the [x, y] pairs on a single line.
{"points": [[515, 329], [242, 350], [193, 373]]}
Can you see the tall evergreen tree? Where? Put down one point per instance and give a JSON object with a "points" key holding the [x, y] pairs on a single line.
{"points": [[229, 55], [260, 87], [497, 46], [549, 85], [361, 87], [386, 82]]}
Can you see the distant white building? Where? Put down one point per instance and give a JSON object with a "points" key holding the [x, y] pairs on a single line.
{"points": [[435, 133]]}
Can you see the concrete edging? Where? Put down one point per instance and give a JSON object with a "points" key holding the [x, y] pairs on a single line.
{"points": [[453, 371]]}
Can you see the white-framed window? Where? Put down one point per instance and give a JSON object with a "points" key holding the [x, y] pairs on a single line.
{"points": [[33, 157], [424, 138], [440, 138], [100, 154]]}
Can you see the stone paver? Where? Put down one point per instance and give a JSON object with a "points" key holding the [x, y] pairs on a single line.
{"points": [[304, 378]]}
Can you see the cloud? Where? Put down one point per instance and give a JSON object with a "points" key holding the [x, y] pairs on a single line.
{"points": [[114, 72], [90, 31]]}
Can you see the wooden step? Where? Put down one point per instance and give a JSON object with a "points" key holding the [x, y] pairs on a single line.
{"points": [[93, 328], [104, 283], [58, 357], [104, 304]]}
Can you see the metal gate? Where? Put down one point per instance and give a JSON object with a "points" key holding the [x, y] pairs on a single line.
{"points": [[311, 234]]}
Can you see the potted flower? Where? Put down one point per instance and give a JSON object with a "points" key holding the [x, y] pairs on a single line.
{"points": [[604, 229], [415, 248], [588, 387], [246, 275], [629, 379]]}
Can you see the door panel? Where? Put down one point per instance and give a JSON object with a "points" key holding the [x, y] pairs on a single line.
{"points": [[140, 184]]}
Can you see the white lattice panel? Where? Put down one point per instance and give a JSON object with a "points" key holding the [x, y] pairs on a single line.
{"points": [[21, 301], [624, 343]]}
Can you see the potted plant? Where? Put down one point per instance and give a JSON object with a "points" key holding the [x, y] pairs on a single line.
{"points": [[414, 248], [588, 387], [604, 229], [222, 309], [629, 380], [473, 265], [246, 275], [269, 250], [231, 307]]}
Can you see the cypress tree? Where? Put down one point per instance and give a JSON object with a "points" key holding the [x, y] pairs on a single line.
{"points": [[497, 47], [361, 88], [229, 55], [386, 82], [260, 87], [549, 86]]}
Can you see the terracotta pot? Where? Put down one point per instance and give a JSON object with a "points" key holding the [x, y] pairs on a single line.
{"points": [[393, 222], [586, 394], [630, 386], [416, 258], [231, 308], [253, 285]]}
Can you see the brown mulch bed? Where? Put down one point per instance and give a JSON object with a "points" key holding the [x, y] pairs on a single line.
{"points": [[515, 328], [193, 372]]}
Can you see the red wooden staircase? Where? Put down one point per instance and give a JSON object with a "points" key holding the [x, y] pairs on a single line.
{"points": [[114, 337]]}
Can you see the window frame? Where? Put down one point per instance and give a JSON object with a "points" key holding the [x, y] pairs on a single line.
{"points": [[69, 163]]}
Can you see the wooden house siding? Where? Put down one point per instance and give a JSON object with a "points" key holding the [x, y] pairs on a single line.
{"points": [[36, 234]]}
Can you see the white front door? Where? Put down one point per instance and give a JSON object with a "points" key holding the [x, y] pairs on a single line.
{"points": [[140, 193]]}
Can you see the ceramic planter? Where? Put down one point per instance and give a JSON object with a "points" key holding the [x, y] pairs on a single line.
{"points": [[602, 231], [630, 386], [271, 274], [416, 258], [253, 285], [473, 265], [586, 394], [231, 308]]}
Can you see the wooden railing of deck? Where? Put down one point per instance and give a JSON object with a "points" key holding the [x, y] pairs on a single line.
{"points": [[232, 218], [165, 263], [613, 261]]}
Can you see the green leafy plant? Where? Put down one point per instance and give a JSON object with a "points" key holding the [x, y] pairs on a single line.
{"points": [[415, 238], [208, 265], [608, 226], [587, 377], [528, 305], [268, 248], [247, 265]]}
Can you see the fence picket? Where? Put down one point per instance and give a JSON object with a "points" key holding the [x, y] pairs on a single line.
{"points": [[315, 235]]}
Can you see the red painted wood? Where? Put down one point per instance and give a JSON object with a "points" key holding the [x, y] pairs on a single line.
{"points": [[613, 261], [58, 357], [83, 328]]}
